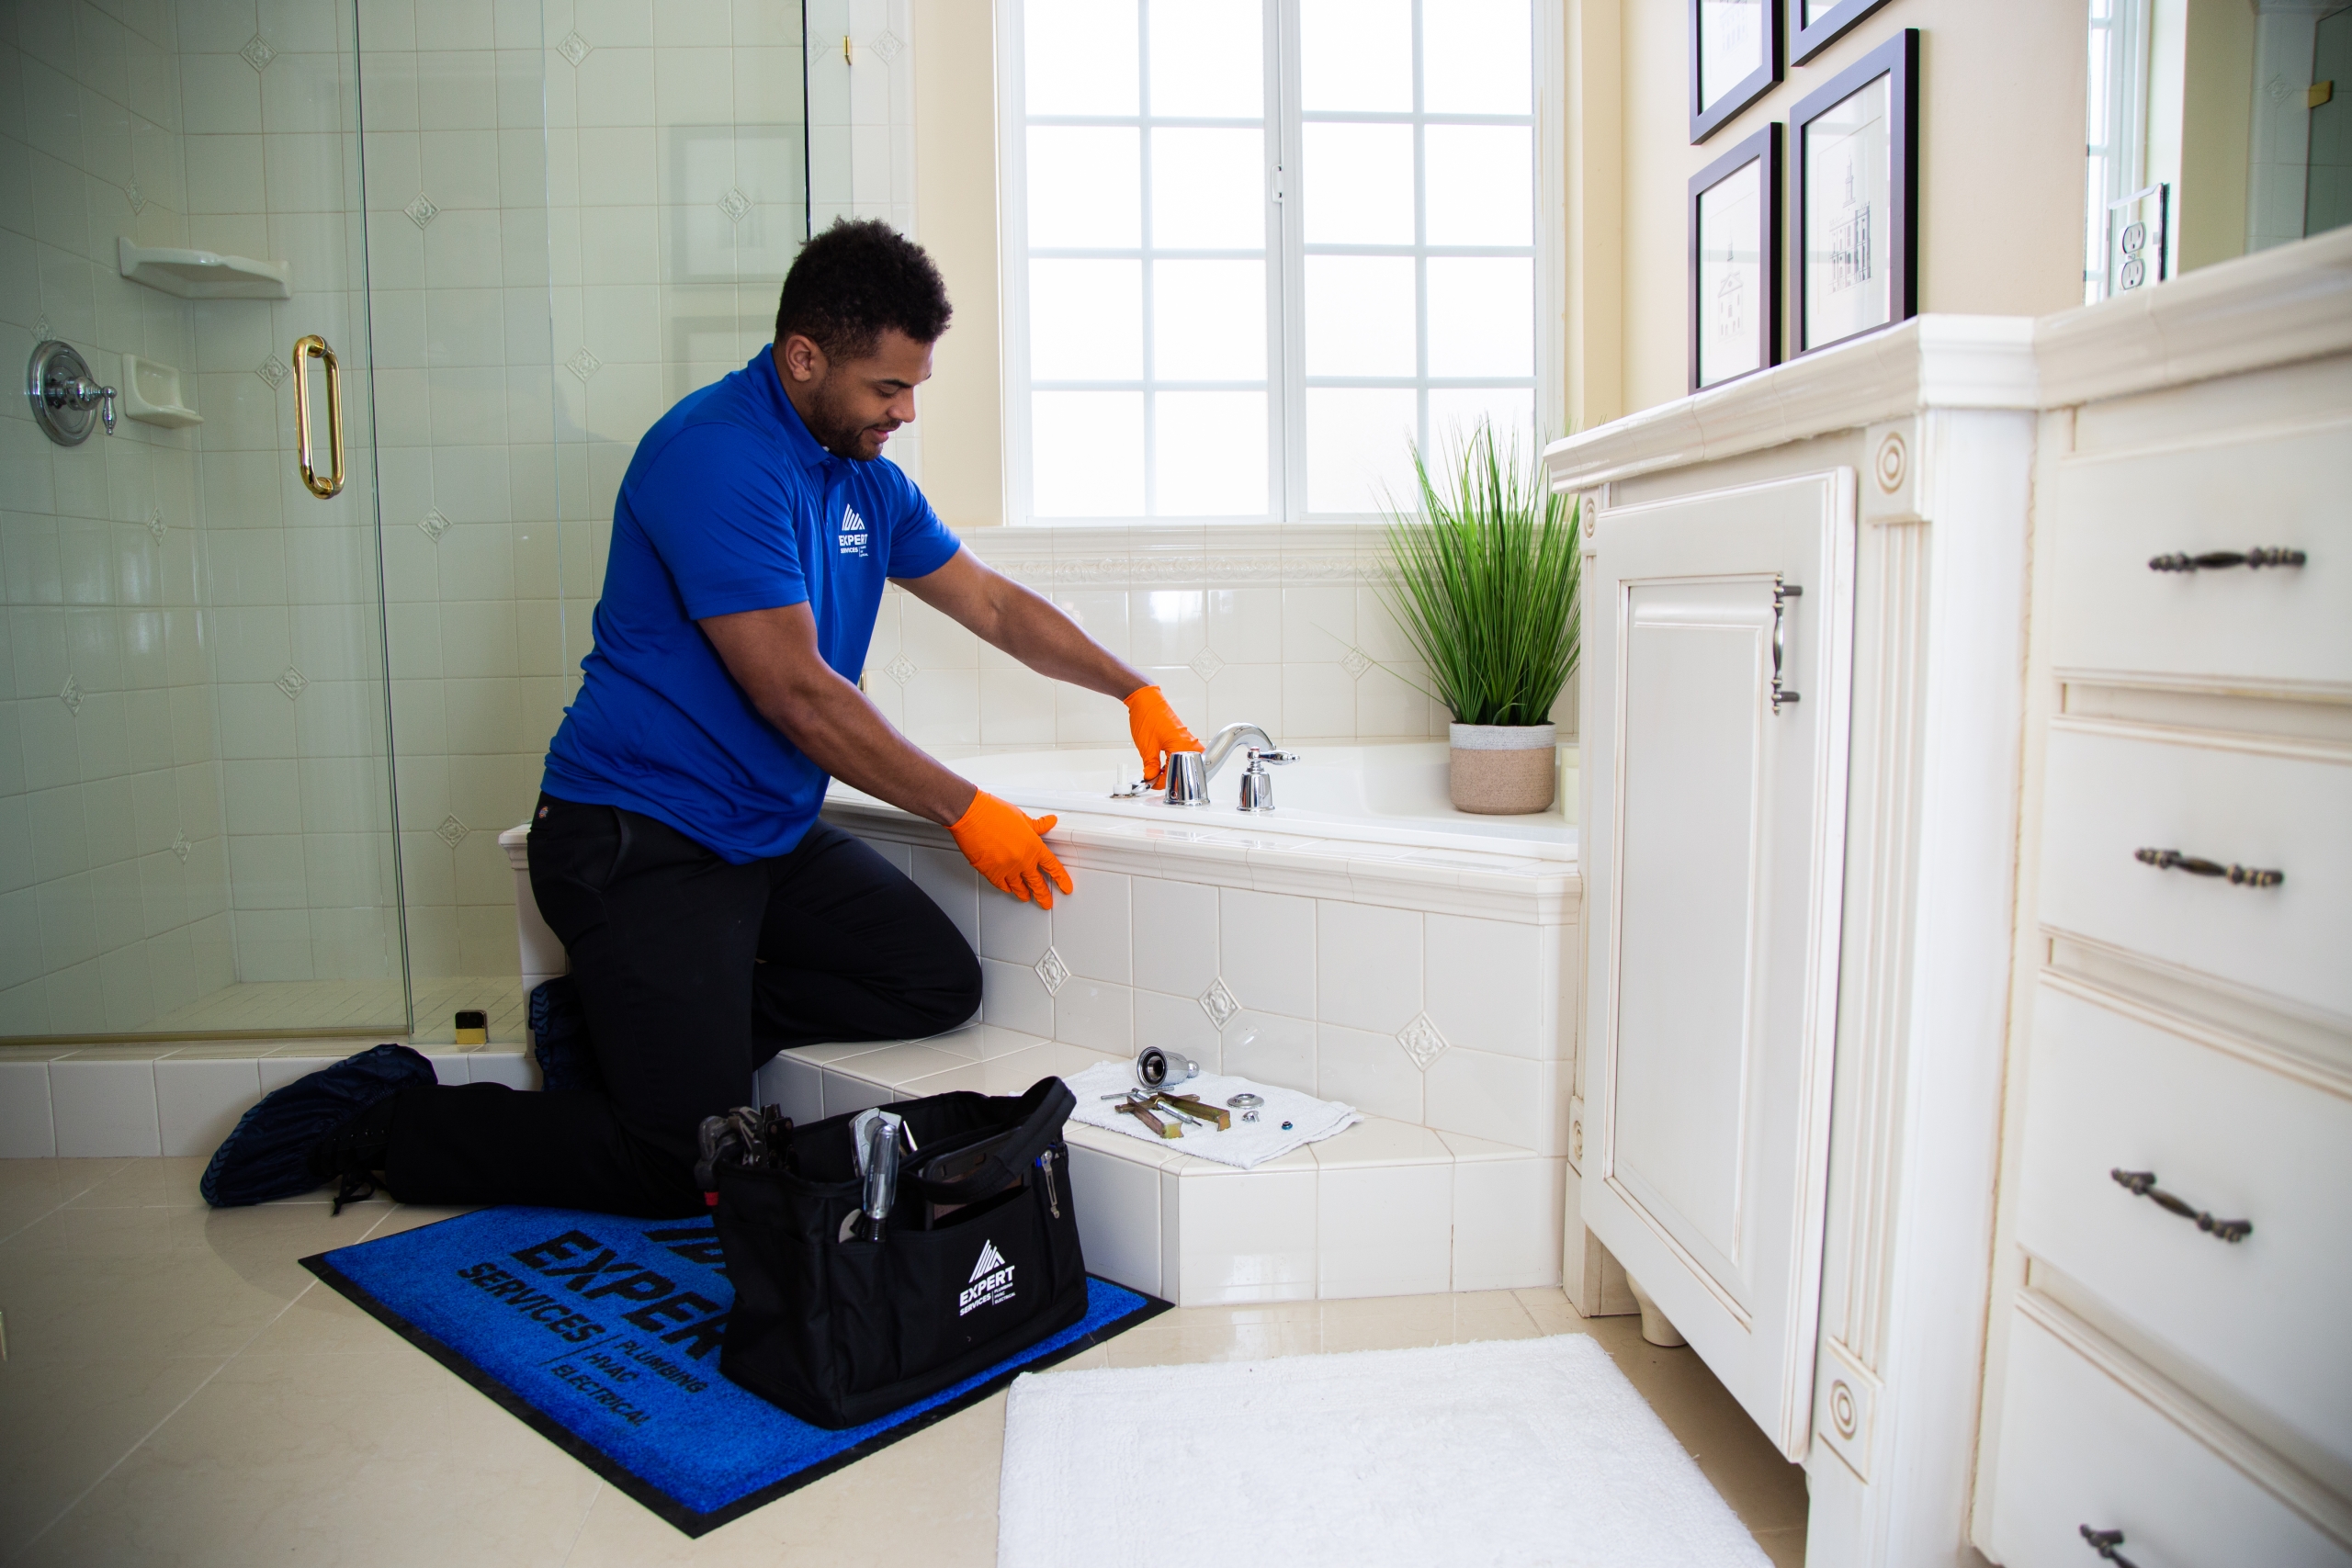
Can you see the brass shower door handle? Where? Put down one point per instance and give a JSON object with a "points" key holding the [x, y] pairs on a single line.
{"points": [[311, 347]]}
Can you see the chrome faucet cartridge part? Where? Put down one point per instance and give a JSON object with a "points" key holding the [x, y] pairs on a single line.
{"points": [[1156, 1068]]}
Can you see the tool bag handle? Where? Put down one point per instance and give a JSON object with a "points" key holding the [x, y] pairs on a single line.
{"points": [[1044, 1111]]}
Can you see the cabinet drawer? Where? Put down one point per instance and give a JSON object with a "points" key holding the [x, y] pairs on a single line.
{"points": [[2079, 1448], [2106, 517], [2265, 1314], [2107, 794]]}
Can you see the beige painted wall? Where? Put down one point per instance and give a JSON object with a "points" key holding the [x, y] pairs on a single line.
{"points": [[2216, 125], [2001, 170], [961, 409]]}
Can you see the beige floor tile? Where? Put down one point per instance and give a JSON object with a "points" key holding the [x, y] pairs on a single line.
{"points": [[357, 1461], [1766, 1491], [930, 1498], [146, 1184], [64, 1424], [1161, 1343], [30, 1189], [88, 1284]]}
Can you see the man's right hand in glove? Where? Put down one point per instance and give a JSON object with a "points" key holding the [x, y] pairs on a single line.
{"points": [[1009, 849], [1156, 731]]}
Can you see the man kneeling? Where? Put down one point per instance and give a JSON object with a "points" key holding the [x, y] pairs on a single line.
{"points": [[711, 919]]}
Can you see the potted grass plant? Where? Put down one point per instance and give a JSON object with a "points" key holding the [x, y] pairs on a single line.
{"points": [[1486, 593]]}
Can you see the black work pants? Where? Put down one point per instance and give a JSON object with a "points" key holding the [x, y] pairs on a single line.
{"points": [[691, 972]]}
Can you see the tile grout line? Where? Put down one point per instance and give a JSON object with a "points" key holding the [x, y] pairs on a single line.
{"points": [[585, 1513]]}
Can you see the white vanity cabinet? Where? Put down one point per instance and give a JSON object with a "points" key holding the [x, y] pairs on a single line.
{"points": [[1913, 1018], [2168, 1363], [1796, 995]]}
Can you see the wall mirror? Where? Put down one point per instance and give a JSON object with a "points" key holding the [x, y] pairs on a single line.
{"points": [[2216, 127]]}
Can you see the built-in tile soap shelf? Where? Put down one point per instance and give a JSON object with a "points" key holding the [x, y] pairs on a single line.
{"points": [[151, 394], [204, 274]]}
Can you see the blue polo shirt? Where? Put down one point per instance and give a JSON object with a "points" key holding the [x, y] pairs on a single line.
{"points": [[729, 504]]}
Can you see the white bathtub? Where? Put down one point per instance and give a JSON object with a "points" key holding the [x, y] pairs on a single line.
{"points": [[1392, 794]]}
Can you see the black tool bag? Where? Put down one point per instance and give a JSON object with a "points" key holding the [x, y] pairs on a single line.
{"points": [[978, 1259]]}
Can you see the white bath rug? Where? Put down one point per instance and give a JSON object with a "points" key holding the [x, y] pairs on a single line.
{"points": [[1511, 1452], [1245, 1144]]}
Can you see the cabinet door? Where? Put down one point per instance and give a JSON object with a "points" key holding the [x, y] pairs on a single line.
{"points": [[1715, 857]]}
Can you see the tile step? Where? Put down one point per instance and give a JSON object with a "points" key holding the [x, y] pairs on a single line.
{"points": [[1384, 1209]]}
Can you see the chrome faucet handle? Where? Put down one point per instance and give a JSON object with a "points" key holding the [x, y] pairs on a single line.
{"points": [[1261, 755]]}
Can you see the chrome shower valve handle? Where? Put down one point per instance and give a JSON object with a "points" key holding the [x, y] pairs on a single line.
{"points": [[61, 391]]}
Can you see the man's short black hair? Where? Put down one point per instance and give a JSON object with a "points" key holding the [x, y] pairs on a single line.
{"points": [[856, 278]]}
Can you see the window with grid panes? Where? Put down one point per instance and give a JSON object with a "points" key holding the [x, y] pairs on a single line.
{"points": [[1257, 247]]}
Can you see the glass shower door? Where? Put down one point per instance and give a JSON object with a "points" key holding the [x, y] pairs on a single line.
{"points": [[195, 785]]}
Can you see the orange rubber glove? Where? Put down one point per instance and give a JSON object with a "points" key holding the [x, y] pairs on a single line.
{"points": [[1009, 849], [1157, 731]]}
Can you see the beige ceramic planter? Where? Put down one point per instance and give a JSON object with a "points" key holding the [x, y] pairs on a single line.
{"points": [[1503, 769]]}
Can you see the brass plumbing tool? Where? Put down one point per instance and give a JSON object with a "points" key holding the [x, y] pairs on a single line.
{"points": [[1165, 1128], [1199, 1110]]}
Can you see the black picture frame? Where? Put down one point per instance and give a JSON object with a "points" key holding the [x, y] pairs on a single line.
{"points": [[1764, 147], [1897, 60], [1706, 119], [1809, 39]]}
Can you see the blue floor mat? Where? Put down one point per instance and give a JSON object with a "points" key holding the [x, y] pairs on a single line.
{"points": [[643, 1406]]}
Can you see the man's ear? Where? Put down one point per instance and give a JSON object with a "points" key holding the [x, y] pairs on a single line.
{"points": [[802, 360]]}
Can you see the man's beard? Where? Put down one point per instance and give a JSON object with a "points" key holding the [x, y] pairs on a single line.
{"points": [[837, 430]]}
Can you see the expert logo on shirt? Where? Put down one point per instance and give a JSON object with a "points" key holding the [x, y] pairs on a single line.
{"points": [[856, 540]]}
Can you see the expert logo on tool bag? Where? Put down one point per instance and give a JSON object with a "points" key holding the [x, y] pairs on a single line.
{"points": [[991, 1281]]}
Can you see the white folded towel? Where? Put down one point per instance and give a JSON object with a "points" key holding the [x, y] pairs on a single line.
{"points": [[1245, 1144]]}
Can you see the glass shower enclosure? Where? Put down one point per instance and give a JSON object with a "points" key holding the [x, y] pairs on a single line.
{"points": [[340, 321]]}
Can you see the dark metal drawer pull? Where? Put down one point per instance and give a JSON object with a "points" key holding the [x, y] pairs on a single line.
{"points": [[1782, 593], [2104, 1542], [2239, 875], [2142, 1184], [2211, 560]]}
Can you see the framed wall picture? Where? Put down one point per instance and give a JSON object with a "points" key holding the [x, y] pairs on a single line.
{"points": [[1735, 59], [1855, 212], [1736, 262], [1815, 25]]}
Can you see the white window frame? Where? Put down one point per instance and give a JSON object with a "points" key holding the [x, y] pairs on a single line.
{"points": [[1285, 381]]}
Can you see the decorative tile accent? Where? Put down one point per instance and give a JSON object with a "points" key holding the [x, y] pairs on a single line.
{"points": [[1205, 664], [155, 525], [71, 695], [422, 211], [257, 54], [573, 48], [735, 204], [272, 370], [180, 847], [1219, 1002], [433, 525], [40, 329], [584, 365], [1355, 663], [293, 683], [1422, 1041], [1053, 972], [901, 669], [136, 198], [889, 46], [1177, 570], [451, 832]]}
